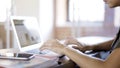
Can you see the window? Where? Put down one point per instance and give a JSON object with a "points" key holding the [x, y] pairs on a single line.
{"points": [[86, 11]]}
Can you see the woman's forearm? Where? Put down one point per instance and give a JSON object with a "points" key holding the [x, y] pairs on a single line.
{"points": [[84, 60], [101, 46]]}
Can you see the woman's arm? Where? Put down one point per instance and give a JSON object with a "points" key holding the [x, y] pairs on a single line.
{"points": [[101, 46], [104, 46], [85, 61], [82, 59]]}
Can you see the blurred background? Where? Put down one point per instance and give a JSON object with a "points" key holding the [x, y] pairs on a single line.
{"points": [[59, 19]]}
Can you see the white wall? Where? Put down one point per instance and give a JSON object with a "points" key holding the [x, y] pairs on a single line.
{"points": [[26, 8], [41, 9], [61, 12], [47, 18]]}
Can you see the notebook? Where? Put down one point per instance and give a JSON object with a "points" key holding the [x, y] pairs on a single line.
{"points": [[27, 33], [27, 37]]}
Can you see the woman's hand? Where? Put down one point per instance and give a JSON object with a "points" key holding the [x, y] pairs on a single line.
{"points": [[53, 45], [82, 49], [71, 40], [77, 45]]}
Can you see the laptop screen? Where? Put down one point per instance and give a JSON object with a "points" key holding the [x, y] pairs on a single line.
{"points": [[26, 30]]}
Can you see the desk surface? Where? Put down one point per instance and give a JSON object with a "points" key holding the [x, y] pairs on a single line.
{"points": [[40, 61]]}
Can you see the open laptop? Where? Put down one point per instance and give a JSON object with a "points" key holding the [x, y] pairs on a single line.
{"points": [[27, 36], [27, 33]]}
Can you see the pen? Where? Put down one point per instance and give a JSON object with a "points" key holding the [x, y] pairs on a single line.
{"points": [[60, 57]]}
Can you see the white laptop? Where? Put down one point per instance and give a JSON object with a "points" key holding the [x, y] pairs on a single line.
{"points": [[27, 33], [28, 38]]}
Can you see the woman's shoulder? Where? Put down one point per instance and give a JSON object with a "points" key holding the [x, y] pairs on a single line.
{"points": [[113, 59], [117, 49], [116, 52]]}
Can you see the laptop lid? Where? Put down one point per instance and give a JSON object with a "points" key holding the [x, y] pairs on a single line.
{"points": [[27, 32]]}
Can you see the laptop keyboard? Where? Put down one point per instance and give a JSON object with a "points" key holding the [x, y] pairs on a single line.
{"points": [[44, 52], [34, 51], [48, 52]]}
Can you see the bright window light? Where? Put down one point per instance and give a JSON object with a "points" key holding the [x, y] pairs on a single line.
{"points": [[86, 10]]}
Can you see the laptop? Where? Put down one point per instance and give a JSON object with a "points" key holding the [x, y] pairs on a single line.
{"points": [[27, 37], [27, 33]]}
